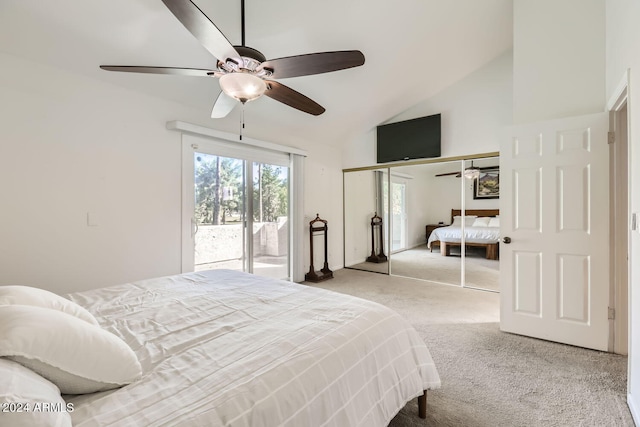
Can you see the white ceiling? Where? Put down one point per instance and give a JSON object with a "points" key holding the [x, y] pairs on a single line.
{"points": [[413, 49]]}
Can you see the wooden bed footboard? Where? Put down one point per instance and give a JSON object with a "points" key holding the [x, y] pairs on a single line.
{"points": [[491, 248]]}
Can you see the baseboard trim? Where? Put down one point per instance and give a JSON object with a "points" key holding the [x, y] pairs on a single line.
{"points": [[633, 409]]}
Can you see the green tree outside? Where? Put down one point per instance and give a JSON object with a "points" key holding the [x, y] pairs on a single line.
{"points": [[270, 190], [218, 191]]}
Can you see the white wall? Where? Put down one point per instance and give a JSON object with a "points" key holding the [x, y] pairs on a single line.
{"points": [[70, 146], [473, 112], [558, 60], [323, 195], [623, 53], [417, 205]]}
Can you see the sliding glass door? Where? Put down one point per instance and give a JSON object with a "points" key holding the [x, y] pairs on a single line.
{"points": [[270, 207], [235, 209], [219, 212], [398, 215]]}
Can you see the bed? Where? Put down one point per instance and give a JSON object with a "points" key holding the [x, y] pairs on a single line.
{"points": [[225, 348], [482, 229]]}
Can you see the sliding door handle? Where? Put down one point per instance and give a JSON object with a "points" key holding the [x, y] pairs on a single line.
{"points": [[194, 227]]}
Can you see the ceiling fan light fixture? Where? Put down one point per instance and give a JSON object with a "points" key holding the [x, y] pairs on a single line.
{"points": [[243, 86], [472, 172]]}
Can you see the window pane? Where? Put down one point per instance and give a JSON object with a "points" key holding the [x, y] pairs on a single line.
{"points": [[270, 220], [219, 212]]}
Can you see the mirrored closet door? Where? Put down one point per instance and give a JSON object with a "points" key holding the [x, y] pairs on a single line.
{"points": [[438, 221], [430, 191], [481, 251], [366, 220]]}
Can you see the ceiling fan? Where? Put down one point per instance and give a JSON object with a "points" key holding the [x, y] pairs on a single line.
{"points": [[244, 73], [471, 172]]}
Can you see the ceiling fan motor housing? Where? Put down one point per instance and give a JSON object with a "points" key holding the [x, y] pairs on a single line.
{"points": [[251, 59]]}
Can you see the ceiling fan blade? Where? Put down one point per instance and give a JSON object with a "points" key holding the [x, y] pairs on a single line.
{"points": [[223, 106], [202, 28], [197, 72], [294, 99], [313, 63], [457, 174]]}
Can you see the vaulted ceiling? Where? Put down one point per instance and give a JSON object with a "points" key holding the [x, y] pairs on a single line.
{"points": [[413, 49]]}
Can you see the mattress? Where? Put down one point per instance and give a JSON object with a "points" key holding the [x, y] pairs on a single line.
{"points": [[224, 348], [453, 234]]}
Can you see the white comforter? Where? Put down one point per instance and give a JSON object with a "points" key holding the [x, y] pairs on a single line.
{"points": [[453, 234], [227, 348]]}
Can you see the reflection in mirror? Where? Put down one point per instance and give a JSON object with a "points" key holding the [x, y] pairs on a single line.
{"points": [[366, 220], [421, 237], [481, 251], [422, 199]]}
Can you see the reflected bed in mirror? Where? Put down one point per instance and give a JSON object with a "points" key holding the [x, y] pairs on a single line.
{"points": [[416, 199], [481, 230]]}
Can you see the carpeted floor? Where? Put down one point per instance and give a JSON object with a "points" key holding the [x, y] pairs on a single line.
{"points": [[491, 378], [421, 263]]}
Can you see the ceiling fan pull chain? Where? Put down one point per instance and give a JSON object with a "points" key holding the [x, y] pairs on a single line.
{"points": [[241, 120]]}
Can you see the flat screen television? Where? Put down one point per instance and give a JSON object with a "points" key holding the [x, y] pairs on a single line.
{"points": [[411, 139]]}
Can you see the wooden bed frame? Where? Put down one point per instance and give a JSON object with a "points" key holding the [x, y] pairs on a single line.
{"points": [[491, 248]]}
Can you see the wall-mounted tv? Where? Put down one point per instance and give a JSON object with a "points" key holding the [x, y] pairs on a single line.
{"points": [[411, 139]]}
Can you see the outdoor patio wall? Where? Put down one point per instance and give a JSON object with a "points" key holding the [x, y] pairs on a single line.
{"points": [[224, 242]]}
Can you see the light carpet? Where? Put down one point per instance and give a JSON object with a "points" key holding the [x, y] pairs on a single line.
{"points": [[421, 263], [491, 378]]}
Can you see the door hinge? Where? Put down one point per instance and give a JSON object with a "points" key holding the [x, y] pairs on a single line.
{"points": [[612, 313], [611, 137]]}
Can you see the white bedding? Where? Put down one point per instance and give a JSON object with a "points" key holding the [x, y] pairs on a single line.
{"points": [[228, 348], [453, 234]]}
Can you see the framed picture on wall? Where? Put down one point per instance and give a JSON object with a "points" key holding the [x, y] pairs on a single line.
{"points": [[487, 185]]}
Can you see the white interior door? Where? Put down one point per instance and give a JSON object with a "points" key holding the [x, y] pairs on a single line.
{"points": [[554, 207]]}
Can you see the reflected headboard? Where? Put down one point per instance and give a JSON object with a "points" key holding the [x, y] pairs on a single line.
{"points": [[476, 212]]}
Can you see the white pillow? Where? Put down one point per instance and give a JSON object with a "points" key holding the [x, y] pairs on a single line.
{"points": [[494, 222], [26, 295], [468, 220], [22, 395], [483, 221], [76, 356]]}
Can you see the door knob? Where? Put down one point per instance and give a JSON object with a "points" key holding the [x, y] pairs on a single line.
{"points": [[506, 240]]}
